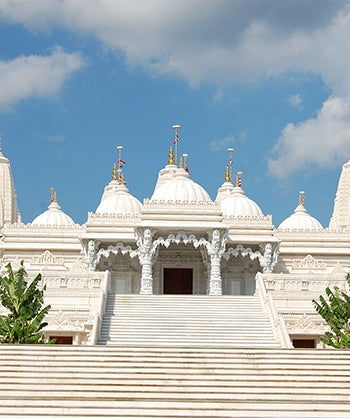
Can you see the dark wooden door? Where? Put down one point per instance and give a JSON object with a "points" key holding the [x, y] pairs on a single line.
{"points": [[178, 282]]}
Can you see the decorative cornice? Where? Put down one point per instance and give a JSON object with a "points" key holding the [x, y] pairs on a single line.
{"points": [[180, 203]]}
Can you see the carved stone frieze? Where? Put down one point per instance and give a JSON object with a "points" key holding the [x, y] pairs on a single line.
{"points": [[47, 258], [305, 323], [309, 263]]}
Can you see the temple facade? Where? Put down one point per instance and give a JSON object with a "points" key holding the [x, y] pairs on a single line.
{"points": [[178, 241]]}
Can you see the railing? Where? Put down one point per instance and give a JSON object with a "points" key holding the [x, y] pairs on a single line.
{"points": [[276, 320], [95, 332]]}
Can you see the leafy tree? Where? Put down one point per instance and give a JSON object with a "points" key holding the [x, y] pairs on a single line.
{"points": [[24, 322], [336, 312]]}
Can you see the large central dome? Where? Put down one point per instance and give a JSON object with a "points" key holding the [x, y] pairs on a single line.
{"points": [[180, 189]]}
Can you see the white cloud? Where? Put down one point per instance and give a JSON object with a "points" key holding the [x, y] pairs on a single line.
{"points": [[35, 75], [222, 43], [323, 141], [295, 100], [223, 143], [202, 40]]}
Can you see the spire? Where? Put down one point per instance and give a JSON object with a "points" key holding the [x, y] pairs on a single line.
{"points": [[171, 156], [239, 178], [53, 194], [301, 198], [227, 174], [229, 165], [185, 156], [341, 212], [114, 172], [176, 140], [119, 171], [9, 212]]}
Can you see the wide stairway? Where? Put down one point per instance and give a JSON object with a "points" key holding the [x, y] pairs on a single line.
{"points": [[168, 381], [186, 321]]}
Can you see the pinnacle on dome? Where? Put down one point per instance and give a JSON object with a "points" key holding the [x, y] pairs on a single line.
{"points": [[118, 173], [228, 170], [239, 178], [176, 141]]}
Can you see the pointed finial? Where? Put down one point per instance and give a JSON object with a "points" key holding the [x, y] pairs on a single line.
{"points": [[301, 198], [120, 162], [185, 156], [180, 165], [229, 164], [114, 172], [239, 178], [176, 140], [171, 156], [227, 174], [53, 194]]}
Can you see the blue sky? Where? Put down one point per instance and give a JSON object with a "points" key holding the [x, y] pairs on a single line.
{"points": [[270, 79]]}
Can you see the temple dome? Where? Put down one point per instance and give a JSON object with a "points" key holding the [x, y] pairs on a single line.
{"points": [[238, 204], [180, 188], [117, 200], [300, 220], [53, 216]]}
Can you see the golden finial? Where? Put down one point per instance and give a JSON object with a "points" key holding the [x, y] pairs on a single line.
{"points": [[227, 174], [301, 198], [239, 178], [181, 162], [171, 156], [114, 172], [53, 194]]}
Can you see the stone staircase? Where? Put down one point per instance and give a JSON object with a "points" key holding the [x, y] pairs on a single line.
{"points": [[186, 321], [170, 381]]}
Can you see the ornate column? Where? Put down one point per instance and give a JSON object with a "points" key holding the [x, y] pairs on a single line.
{"points": [[91, 255], [215, 250], [269, 259], [145, 254]]}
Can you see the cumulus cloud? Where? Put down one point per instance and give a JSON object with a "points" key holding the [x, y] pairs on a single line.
{"points": [[323, 141], [222, 43], [35, 75], [295, 100], [202, 40], [220, 144]]}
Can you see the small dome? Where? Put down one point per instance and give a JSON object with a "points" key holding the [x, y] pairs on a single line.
{"points": [[238, 204], [118, 201], [53, 216], [301, 220], [224, 191], [181, 188]]}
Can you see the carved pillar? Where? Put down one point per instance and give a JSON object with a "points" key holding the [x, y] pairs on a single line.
{"points": [[146, 287], [215, 250], [215, 282], [269, 259], [145, 253], [91, 256]]}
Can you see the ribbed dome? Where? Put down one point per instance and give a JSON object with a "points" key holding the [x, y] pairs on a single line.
{"points": [[181, 188], [53, 216], [238, 204], [118, 201], [301, 220]]}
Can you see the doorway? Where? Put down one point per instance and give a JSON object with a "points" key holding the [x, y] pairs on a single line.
{"points": [[178, 281]]}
